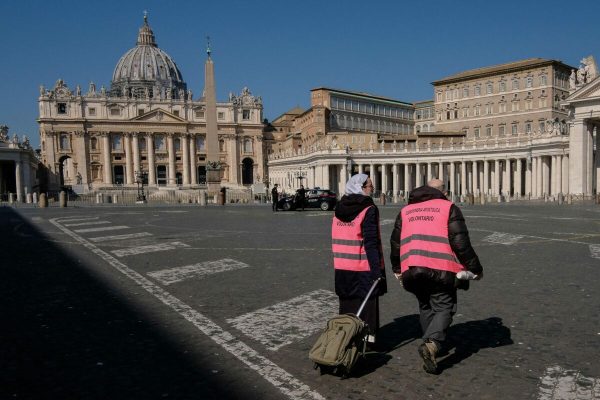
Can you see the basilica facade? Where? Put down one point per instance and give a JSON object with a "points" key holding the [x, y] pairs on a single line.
{"points": [[148, 126], [525, 129]]}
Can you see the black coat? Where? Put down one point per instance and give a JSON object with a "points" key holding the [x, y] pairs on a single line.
{"points": [[458, 236], [352, 284]]}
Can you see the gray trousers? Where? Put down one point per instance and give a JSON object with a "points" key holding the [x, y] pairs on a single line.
{"points": [[436, 312]]}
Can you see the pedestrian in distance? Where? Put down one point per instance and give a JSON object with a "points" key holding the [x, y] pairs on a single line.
{"points": [[430, 247], [300, 197], [274, 197], [357, 252]]}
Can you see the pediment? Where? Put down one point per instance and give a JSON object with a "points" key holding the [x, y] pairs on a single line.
{"points": [[158, 115], [591, 90]]}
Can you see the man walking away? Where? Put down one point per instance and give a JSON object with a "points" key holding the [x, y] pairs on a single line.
{"points": [[429, 245], [274, 197]]}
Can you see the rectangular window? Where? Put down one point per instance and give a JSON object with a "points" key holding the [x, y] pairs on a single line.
{"points": [[246, 114], [199, 114], [61, 108], [64, 142], [116, 143], [476, 132], [489, 88], [542, 127], [176, 113], [501, 130], [543, 80], [92, 112], [488, 131], [477, 111], [477, 90], [465, 93], [514, 129], [502, 107], [515, 84], [141, 111], [439, 96], [220, 115], [529, 82], [115, 111], [528, 127], [200, 143], [502, 86]]}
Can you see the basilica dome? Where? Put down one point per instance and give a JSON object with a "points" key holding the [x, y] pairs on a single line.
{"points": [[147, 71]]}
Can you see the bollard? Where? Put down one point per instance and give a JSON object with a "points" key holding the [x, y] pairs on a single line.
{"points": [[43, 200], [63, 199], [35, 198], [382, 198], [202, 198], [28, 198], [221, 199], [10, 198], [115, 199], [561, 198], [570, 199]]}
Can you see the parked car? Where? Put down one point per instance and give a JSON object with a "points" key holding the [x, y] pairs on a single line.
{"points": [[315, 198]]}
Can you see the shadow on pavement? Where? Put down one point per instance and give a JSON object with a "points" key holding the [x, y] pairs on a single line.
{"points": [[468, 338], [68, 335]]}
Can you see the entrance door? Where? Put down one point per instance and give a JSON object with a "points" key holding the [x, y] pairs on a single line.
{"points": [[119, 175], [202, 175], [247, 171], [161, 175]]}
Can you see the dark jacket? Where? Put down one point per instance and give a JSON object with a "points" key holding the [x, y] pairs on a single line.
{"points": [[458, 236], [352, 284]]}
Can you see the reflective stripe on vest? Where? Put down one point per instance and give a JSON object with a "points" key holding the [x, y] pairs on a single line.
{"points": [[424, 241], [348, 245]]}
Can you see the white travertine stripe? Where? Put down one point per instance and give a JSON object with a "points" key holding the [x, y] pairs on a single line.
{"points": [[152, 248], [595, 250], [120, 237], [89, 223], [104, 228], [567, 384], [387, 221], [292, 320], [291, 387], [173, 275], [502, 238], [63, 220]]}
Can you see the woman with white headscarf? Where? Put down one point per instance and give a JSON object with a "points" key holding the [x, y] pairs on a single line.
{"points": [[357, 252]]}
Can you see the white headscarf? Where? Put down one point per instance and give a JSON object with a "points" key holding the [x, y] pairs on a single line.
{"points": [[355, 184]]}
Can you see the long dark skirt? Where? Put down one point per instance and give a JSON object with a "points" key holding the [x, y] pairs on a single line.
{"points": [[370, 313]]}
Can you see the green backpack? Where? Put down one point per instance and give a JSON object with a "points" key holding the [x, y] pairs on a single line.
{"points": [[340, 344]]}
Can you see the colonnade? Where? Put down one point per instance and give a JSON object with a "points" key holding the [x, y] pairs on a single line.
{"points": [[532, 176]]}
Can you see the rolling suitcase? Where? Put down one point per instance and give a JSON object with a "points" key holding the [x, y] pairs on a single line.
{"points": [[342, 342]]}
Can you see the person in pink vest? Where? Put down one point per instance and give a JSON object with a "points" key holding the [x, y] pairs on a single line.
{"points": [[357, 252], [430, 245]]}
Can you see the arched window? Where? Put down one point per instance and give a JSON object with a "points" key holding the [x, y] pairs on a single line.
{"points": [[117, 143], [200, 143]]}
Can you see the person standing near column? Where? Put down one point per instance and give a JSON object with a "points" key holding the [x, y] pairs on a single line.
{"points": [[358, 253], [430, 246], [274, 197]]}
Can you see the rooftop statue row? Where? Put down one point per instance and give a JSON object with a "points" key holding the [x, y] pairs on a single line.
{"points": [[14, 141], [587, 72]]}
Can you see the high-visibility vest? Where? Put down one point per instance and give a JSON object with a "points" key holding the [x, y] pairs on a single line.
{"points": [[348, 245], [424, 239]]}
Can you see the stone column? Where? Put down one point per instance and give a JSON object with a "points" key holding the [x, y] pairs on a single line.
{"points": [[518, 177], [580, 158], [395, 182], [496, 189], [185, 159], [559, 167], [361, 169], [553, 175], [384, 178], [406, 179], [429, 171], [82, 157], [372, 173], [486, 177], [19, 180], [193, 166], [418, 177], [546, 175], [506, 177], [540, 177], [565, 175], [452, 180], [106, 152], [151, 160], [475, 176], [529, 177], [136, 152], [343, 177], [463, 178], [172, 168], [128, 159], [234, 159]]}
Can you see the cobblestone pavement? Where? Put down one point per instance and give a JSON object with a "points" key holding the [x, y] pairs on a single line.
{"points": [[225, 302]]}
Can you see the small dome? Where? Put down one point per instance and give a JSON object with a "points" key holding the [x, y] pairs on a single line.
{"points": [[146, 70]]}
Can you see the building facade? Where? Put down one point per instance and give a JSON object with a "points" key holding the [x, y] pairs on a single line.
{"points": [[504, 131], [148, 126], [18, 168]]}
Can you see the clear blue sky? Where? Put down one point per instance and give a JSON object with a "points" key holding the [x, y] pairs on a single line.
{"points": [[281, 49]]}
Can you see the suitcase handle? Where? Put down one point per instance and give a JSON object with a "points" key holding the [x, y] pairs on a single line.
{"points": [[367, 298]]}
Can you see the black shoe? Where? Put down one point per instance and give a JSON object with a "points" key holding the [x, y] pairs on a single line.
{"points": [[428, 352]]}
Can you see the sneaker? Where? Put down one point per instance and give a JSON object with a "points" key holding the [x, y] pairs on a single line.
{"points": [[428, 351]]}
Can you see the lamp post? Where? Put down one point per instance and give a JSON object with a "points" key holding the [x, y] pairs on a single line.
{"points": [[140, 177]]}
